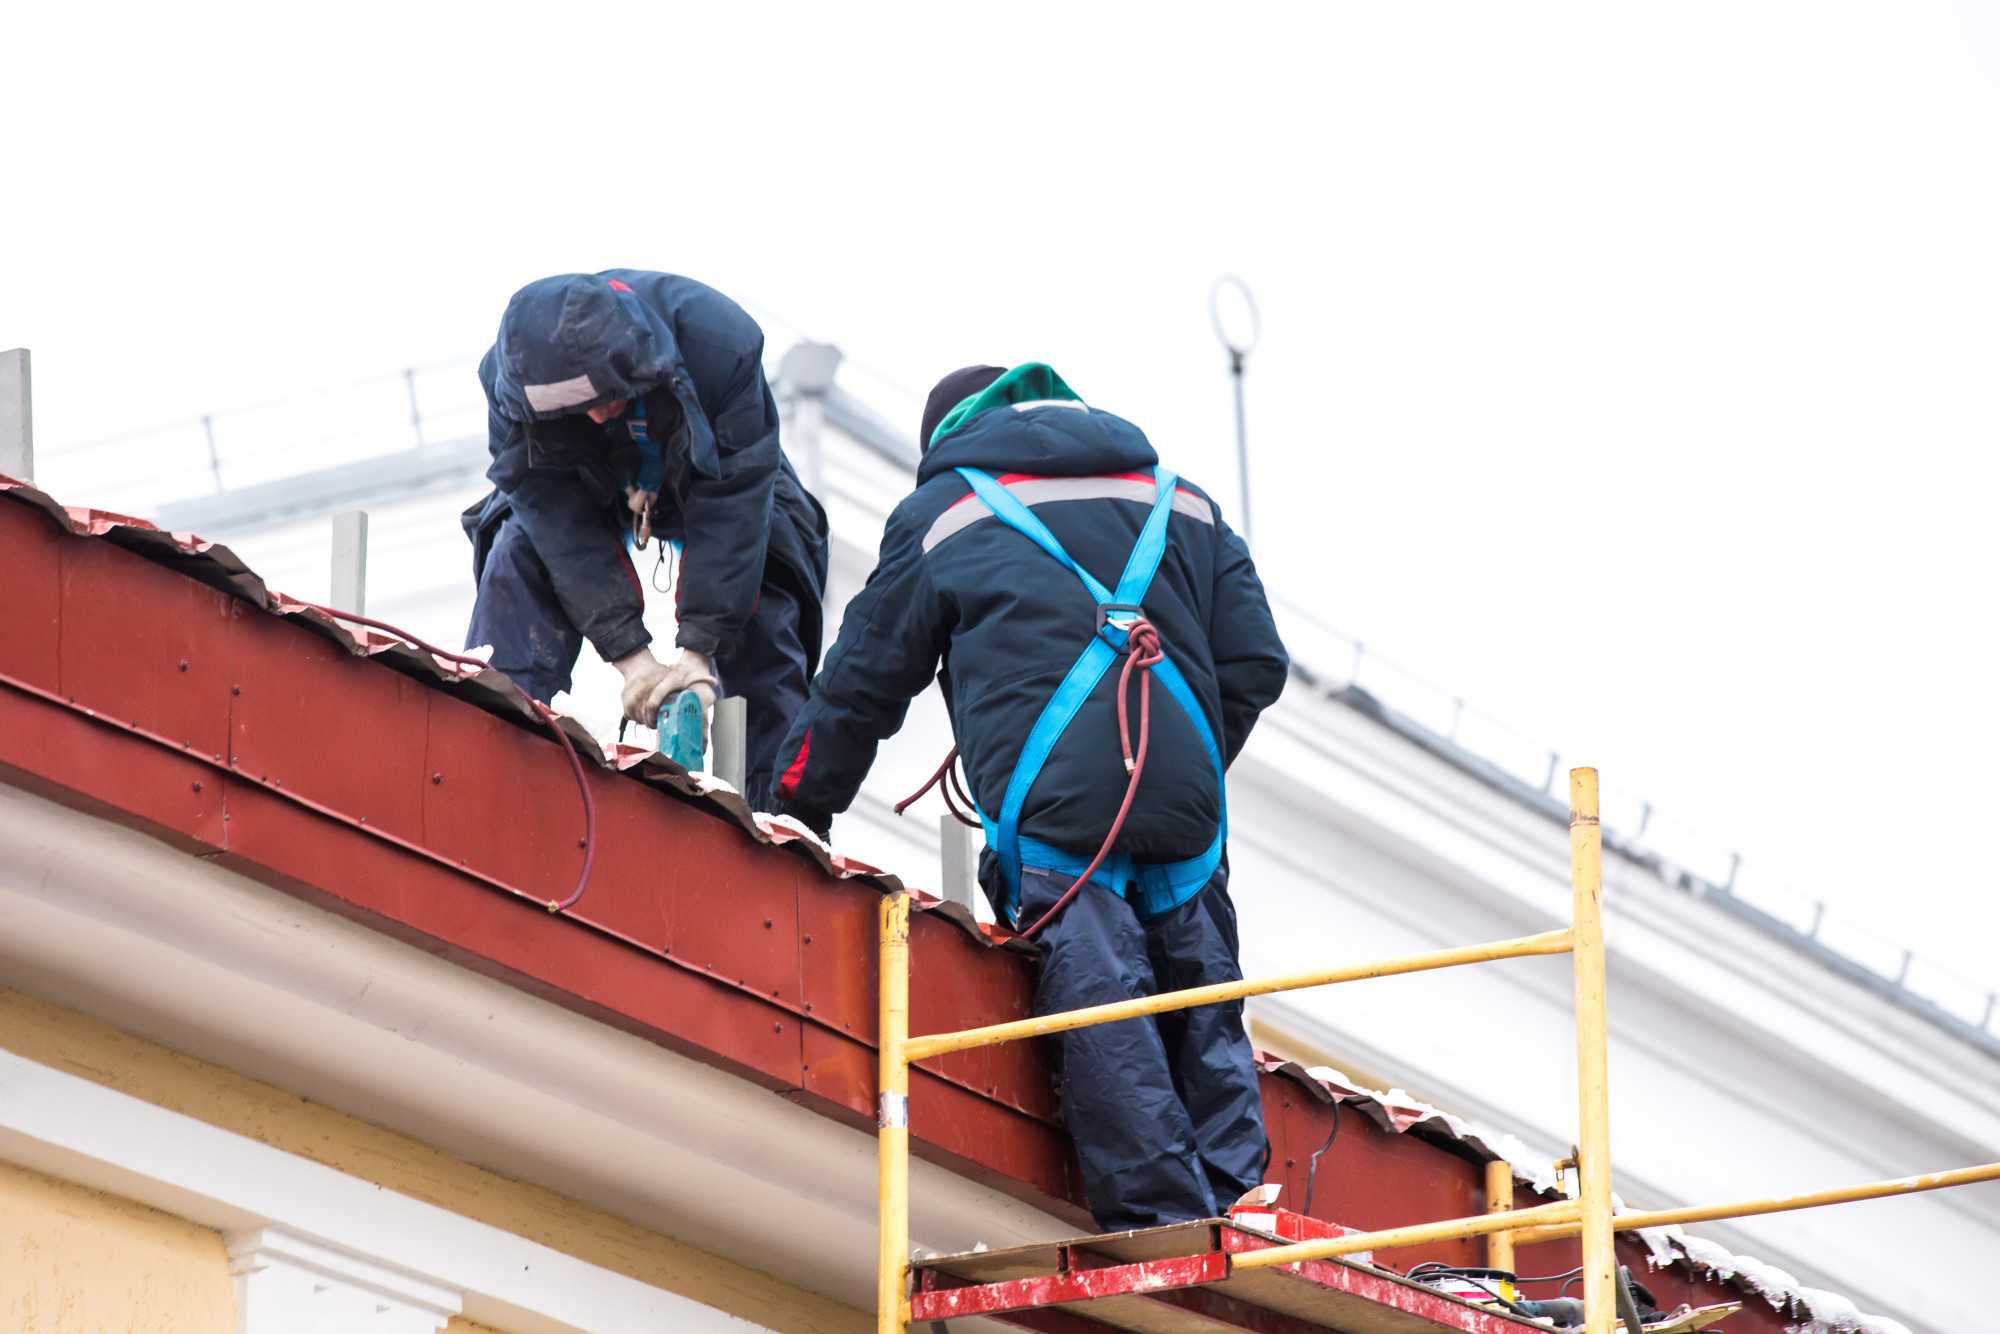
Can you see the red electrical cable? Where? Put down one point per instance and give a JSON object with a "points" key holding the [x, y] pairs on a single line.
{"points": [[1142, 651], [542, 711]]}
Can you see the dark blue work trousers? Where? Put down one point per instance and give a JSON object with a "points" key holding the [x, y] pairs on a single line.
{"points": [[534, 642], [1165, 1111]]}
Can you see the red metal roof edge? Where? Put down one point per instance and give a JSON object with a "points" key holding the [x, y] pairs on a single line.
{"points": [[278, 751], [218, 567]]}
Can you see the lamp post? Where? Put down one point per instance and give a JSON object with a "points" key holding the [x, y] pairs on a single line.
{"points": [[1238, 331]]}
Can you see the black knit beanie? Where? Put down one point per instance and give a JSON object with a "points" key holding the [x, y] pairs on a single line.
{"points": [[952, 390]]}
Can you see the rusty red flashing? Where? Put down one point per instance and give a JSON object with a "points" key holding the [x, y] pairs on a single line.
{"points": [[1080, 1285], [152, 679], [1183, 1277], [268, 740], [1390, 1294]]}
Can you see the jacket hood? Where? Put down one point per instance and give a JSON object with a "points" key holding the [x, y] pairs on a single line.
{"points": [[575, 341], [1030, 421]]}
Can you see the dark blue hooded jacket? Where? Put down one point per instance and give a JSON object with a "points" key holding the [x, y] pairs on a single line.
{"points": [[694, 359], [957, 588]]}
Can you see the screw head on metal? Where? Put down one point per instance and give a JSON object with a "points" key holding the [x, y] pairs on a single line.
{"points": [[184, 664], [436, 779]]}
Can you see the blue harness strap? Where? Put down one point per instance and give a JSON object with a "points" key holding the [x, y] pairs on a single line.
{"points": [[652, 471], [1155, 887], [652, 474]]}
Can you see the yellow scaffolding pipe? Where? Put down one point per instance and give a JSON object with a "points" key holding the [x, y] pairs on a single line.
{"points": [[892, 1123], [1416, 1234], [1706, 1213], [1593, 1159], [1505, 1226], [1500, 1200], [939, 1044]]}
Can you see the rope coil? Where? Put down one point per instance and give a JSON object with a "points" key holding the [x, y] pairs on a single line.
{"points": [[1142, 652]]}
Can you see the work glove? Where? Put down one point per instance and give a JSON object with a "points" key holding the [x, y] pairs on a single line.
{"points": [[649, 682]]}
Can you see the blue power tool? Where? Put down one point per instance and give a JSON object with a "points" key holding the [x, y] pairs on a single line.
{"points": [[683, 731]]}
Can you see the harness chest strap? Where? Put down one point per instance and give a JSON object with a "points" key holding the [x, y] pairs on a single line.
{"points": [[1159, 885]]}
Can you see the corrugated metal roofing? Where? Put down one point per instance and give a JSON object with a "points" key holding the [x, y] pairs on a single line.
{"points": [[215, 565]]}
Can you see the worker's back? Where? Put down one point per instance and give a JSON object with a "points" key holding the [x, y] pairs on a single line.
{"points": [[1017, 619], [1043, 544]]}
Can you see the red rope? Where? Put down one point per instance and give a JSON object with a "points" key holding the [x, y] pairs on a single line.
{"points": [[965, 799], [1142, 651], [542, 711], [945, 780]]}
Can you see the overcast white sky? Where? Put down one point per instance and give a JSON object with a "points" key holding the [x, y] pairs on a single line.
{"points": [[1629, 369]]}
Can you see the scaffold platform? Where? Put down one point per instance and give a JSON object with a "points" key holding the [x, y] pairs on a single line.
{"points": [[1179, 1280]]}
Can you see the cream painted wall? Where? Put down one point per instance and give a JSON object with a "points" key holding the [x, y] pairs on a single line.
{"points": [[80, 1046], [77, 1261]]}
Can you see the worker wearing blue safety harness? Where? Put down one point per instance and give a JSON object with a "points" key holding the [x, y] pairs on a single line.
{"points": [[1047, 572]]}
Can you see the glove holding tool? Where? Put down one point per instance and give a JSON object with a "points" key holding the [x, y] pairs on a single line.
{"points": [[675, 697], [683, 730]]}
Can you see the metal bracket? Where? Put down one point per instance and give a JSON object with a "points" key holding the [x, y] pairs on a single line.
{"points": [[350, 561], [1128, 613], [958, 856], [17, 417], [1628, 1305], [893, 1111], [728, 747]]}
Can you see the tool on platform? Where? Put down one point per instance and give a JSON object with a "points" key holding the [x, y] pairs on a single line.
{"points": [[1638, 1310]]}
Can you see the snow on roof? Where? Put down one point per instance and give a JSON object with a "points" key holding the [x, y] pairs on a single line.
{"points": [[1823, 1312]]}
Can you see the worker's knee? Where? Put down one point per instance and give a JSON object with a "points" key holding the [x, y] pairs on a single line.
{"points": [[1195, 944], [1095, 949], [516, 614]]}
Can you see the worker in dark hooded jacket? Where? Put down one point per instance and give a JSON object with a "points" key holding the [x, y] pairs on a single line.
{"points": [[622, 406], [1005, 567]]}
